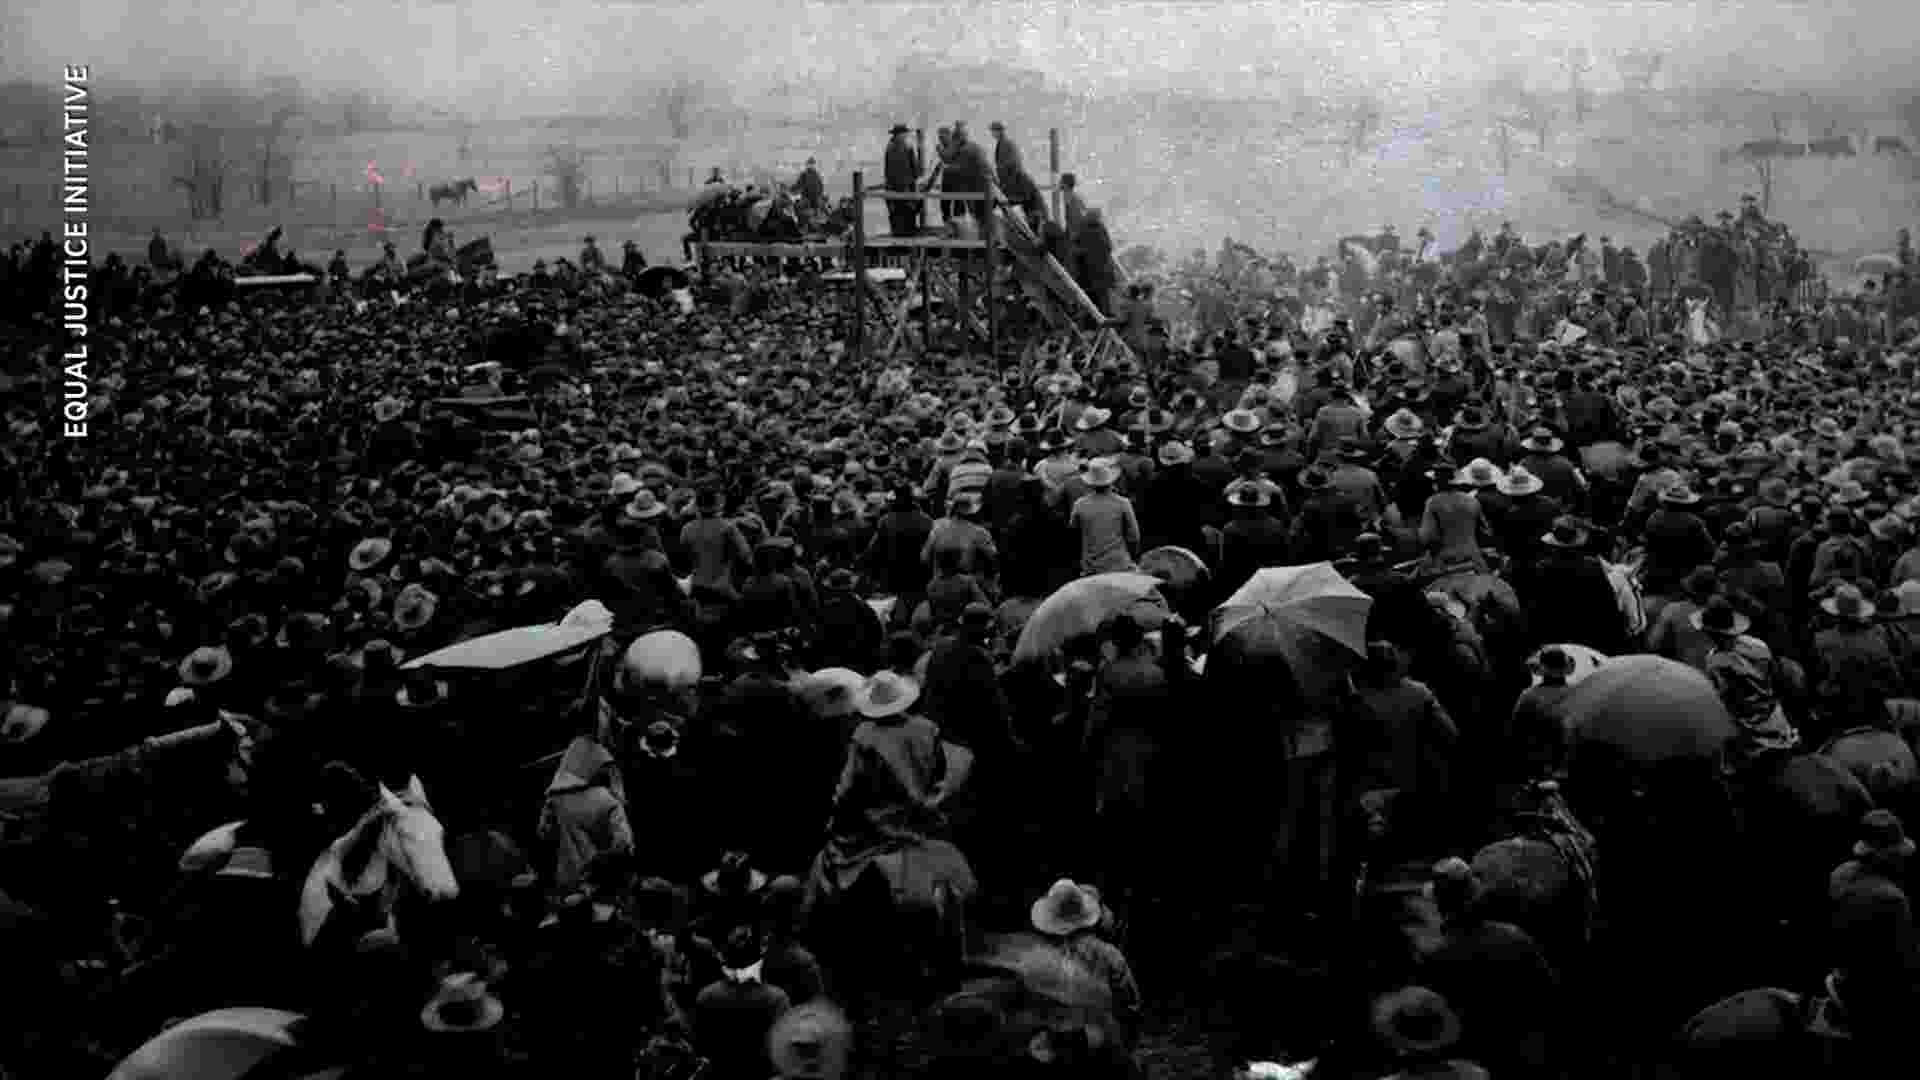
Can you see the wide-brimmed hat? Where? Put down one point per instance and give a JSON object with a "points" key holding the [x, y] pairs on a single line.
{"points": [[840, 579], [1241, 421], [1471, 418], [22, 722], [1065, 909], [1680, 494], [1555, 661], [1249, 495], [623, 485], [1314, 478], [1567, 532], [1542, 440], [1479, 473], [735, 876], [1405, 424], [1100, 473], [1093, 418], [414, 607], [644, 506], [206, 665], [368, 554], [388, 408], [462, 1004], [1719, 617], [1851, 493], [1520, 481], [1906, 600], [1415, 1020], [999, 416], [1882, 834], [950, 442], [812, 1041], [1848, 602], [1153, 421], [897, 129], [1174, 452], [421, 690], [886, 694]]}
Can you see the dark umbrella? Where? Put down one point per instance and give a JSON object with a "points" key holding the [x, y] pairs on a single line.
{"points": [[1651, 708]]}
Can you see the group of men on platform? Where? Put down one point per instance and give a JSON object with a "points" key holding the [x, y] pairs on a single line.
{"points": [[962, 166]]}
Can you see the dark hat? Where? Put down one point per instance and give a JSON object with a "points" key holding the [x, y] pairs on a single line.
{"points": [[899, 129], [1567, 532], [1719, 617], [1881, 833]]}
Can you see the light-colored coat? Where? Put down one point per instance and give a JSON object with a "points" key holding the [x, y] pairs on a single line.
{"points": [[585, 815]]}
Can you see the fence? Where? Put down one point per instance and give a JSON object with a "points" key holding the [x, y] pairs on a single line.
{"points": [[139, 206]]}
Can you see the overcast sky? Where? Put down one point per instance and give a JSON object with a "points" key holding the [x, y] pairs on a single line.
{"points": [[540, 54]]}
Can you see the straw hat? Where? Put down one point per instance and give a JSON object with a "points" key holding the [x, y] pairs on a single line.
{"points": [[206, 665], [1847, 602], [414, 607], [645, 506], [388, 408], [1679, 494], [1100, 473], [1479, 472], [369, 553], [1542, 440], [810, 1041], [462, 1004], [1415, 1020], [1241, 421], [1065, 909], [886, 694], [1093, 418], [1520, 481], [623, 485], [1405, 424]]}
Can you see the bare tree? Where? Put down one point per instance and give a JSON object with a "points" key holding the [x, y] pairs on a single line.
{"points": [[1578, 61], [1503, 141], [204, 172], [1639, 68], [679, 100], [1763, 167], [567, 166]]}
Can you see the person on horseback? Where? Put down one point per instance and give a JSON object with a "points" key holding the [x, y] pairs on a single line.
{"points": [[1495, 973], [1070, 917], [591, 260], [1742, 669]]}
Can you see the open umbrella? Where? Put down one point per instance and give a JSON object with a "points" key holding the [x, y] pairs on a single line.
{"points": [[1176, 566], [1877, 263], [225, 1044], [1081, 605], [1292, 603], [589, 621], [1651, 708]]}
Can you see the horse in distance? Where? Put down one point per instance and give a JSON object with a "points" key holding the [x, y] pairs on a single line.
{"points": [[455, 192]]}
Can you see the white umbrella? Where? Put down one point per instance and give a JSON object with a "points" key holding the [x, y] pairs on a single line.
{"points": [[225, 1044], [590, 621], [1878, 263]]}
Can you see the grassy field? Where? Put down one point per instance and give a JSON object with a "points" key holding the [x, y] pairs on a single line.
{"points": [[1168, 177]]}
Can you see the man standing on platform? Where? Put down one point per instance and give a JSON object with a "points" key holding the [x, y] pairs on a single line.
{"points": [[1011, 172], [968, 170], [903, 175]]}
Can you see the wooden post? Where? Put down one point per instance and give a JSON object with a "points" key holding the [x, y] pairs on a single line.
{"points": [[857, 257], [509, 196], [1053, 166], [926, 304], [536, 196], [990, 232], [333, 202], [420, 190]]}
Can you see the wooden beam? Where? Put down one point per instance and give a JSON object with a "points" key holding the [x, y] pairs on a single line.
{"points": [[857, 256]]}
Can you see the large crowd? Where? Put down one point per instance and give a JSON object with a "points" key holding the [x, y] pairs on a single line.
{"points": [[860, 617]]}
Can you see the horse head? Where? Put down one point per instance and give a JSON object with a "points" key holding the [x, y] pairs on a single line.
{"points": [[412, 841]]}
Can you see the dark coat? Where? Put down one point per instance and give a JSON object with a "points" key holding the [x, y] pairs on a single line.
{"points": [[902, 165], [962, 695], [1569, 600]]}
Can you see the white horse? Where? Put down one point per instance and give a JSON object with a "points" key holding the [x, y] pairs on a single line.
{"points": [[398, 840]]}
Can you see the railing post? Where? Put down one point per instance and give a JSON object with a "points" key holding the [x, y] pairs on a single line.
{"points": [[1053, 166], [509, 196], [857, 258], [990, 232]]}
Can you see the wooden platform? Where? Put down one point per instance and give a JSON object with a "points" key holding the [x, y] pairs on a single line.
{"points": [[829, 249]]}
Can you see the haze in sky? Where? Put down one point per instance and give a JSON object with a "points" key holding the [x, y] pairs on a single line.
{"points": [[548, 55]]}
